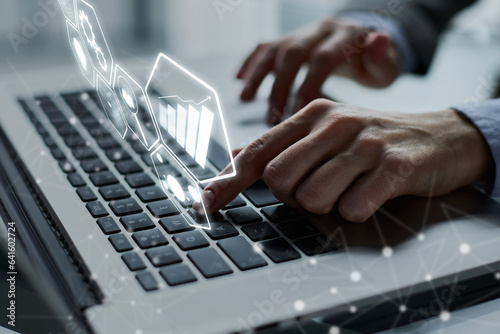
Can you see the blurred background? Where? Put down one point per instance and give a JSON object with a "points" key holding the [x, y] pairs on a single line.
{"points": [[33, 36], [192, 28]]}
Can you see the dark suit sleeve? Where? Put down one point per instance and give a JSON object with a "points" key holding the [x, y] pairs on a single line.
{"points": [[422, 21]]}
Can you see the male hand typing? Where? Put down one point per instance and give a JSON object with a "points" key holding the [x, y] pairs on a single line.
{"points": [[331, 155], [331, 47]]}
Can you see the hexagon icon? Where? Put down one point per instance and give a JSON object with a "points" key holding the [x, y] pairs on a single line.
{"points": [[111, 106], [138, 115], [94, 39], [68, 8], [80, 51], [189, 117], [184, 189]]}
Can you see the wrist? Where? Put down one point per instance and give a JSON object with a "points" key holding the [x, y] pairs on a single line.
{"points": [[473, 158]]}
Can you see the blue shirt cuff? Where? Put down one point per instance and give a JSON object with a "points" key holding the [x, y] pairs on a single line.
{"points": [[407, 59], [486, 117]]}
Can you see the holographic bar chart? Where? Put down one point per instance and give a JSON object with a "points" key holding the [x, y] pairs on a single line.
{"points": [[190, 126]]}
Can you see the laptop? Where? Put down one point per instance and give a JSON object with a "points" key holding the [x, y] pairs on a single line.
{"points": [[90, 206]]}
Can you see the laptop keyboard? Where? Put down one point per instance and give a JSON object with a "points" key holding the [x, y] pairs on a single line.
{"points": [[152, 239]]}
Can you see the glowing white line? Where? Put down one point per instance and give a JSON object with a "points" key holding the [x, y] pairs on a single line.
{"points": [[208, 98], [206, 119], [192, 130]]}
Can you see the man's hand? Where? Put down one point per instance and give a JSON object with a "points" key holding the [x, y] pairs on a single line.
{"points": [[333, 46], [331, 154]]}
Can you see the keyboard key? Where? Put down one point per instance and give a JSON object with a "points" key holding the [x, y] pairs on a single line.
{"points": [[137, 222], [86, 194], [162, 208], [76, 180], [259, 231], [188, 199], [235, 203], [202, 173], [138, 147], [169, 170], [113, 192], [149, 238], [220, 230], [147, 159], [175, 224], [93, 165], [108, 225], [96, 209], [188, 161], [279, 250], [280, 213], [73, 140], [66, 166], [177, 274], [95, 131], [244, 215], [297, 229], [107, 142], [147, 281], [162, 256], [49, 142], [209, 262], [139, 180], [318, 244], [58, 154], [104, 178], [190, 240], [133, 261], [260, 194], [241, 253], [126, 206], [128, 167], [120, 242], [42, 131], [117, 154], [149, 194], [201, 218], [84, 153]]}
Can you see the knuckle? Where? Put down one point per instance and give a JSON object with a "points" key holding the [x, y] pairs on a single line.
{"points": [[321, 56], [370, 142], [313, 201], [351, 214], [275, 178], [316, 107], [249, 153], [293, 51], [391, 162]]}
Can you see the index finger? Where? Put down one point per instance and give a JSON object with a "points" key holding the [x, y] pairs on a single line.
{"points": [[250, 164]]}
